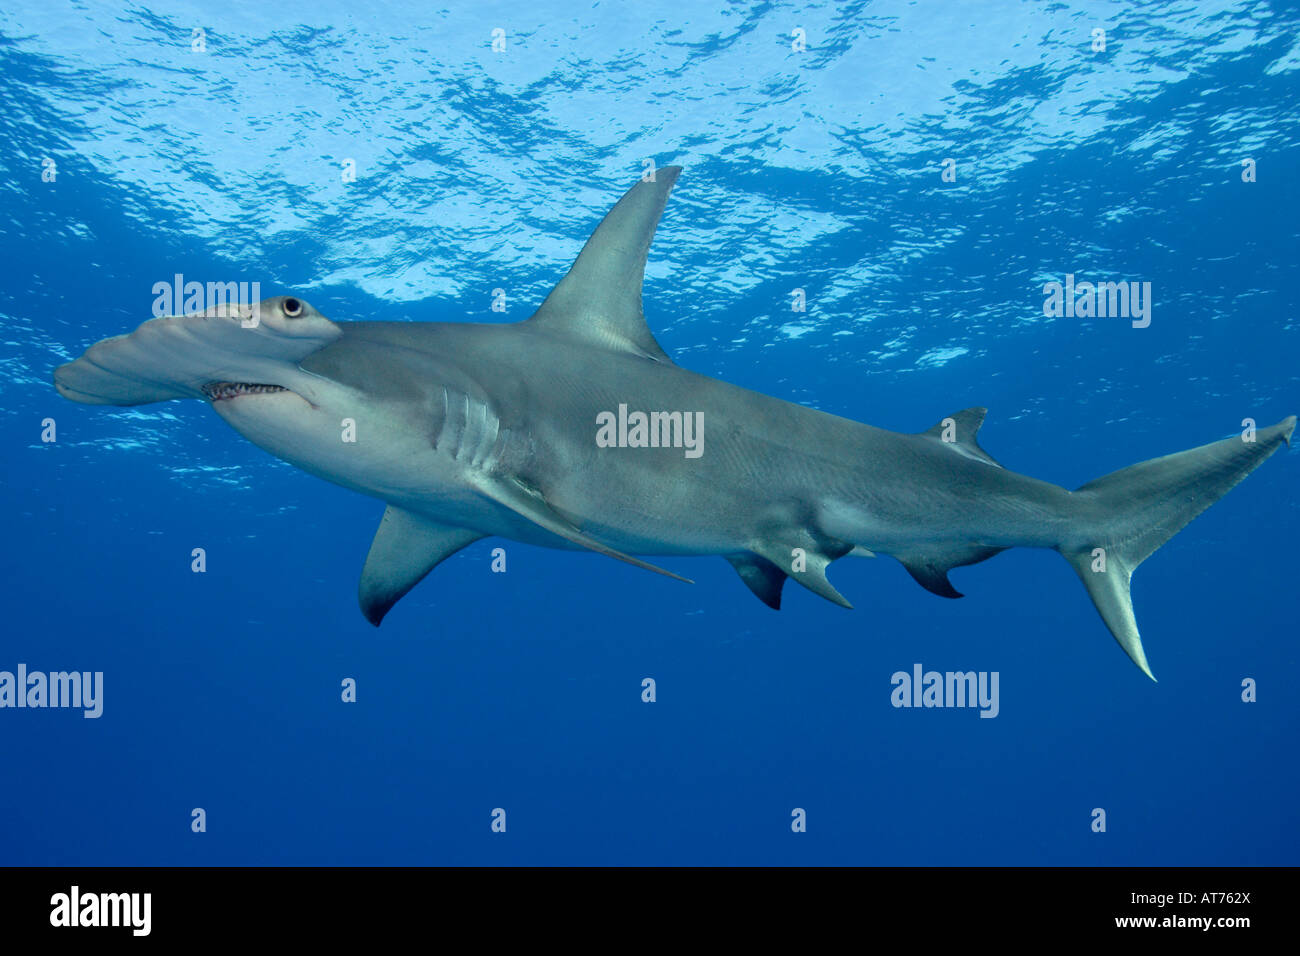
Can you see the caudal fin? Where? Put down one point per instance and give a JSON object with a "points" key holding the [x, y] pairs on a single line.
{"points": [[1125, 516]]}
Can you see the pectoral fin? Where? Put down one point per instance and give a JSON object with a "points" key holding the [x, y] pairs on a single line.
{"points": [[405, 549], [530, 504]]}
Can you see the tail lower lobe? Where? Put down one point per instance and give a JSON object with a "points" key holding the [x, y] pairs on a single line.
{"points": [[1128, 514]]}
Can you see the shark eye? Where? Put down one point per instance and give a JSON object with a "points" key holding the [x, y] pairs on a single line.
{"points": [[291, 308]]}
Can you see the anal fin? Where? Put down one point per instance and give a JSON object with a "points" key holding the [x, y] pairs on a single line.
{"points": [[931, 570], [933, 579], [406, 548]]}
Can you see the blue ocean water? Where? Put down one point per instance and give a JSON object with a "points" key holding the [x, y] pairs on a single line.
{"points": [[210, 140]]}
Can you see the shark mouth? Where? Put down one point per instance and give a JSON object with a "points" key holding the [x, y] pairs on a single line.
{"points": [[221, 391]]}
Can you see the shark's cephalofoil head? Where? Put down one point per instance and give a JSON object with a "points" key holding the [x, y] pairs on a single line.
{"points": [[224, 353], [248, 363], [282, 310]]}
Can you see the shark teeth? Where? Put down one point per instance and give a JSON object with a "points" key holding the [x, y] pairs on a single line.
{"points": [[219, 391]]}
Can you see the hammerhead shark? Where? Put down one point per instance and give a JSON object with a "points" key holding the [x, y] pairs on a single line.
{"points": [[574, 429]]}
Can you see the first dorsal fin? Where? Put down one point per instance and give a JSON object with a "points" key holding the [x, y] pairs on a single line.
{"points": [[958, 432], [599, 301]]}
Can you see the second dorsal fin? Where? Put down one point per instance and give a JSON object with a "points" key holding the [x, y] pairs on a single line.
{"points": [[958, 432], [599, 301]]}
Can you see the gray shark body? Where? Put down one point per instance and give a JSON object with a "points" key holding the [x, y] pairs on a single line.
{"points": [[469, 431]]}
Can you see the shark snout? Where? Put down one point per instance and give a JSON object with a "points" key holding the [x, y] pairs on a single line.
{"points": [[227, 351]]}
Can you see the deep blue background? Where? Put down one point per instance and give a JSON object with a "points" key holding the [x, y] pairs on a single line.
{"points": [[817, 170]]}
